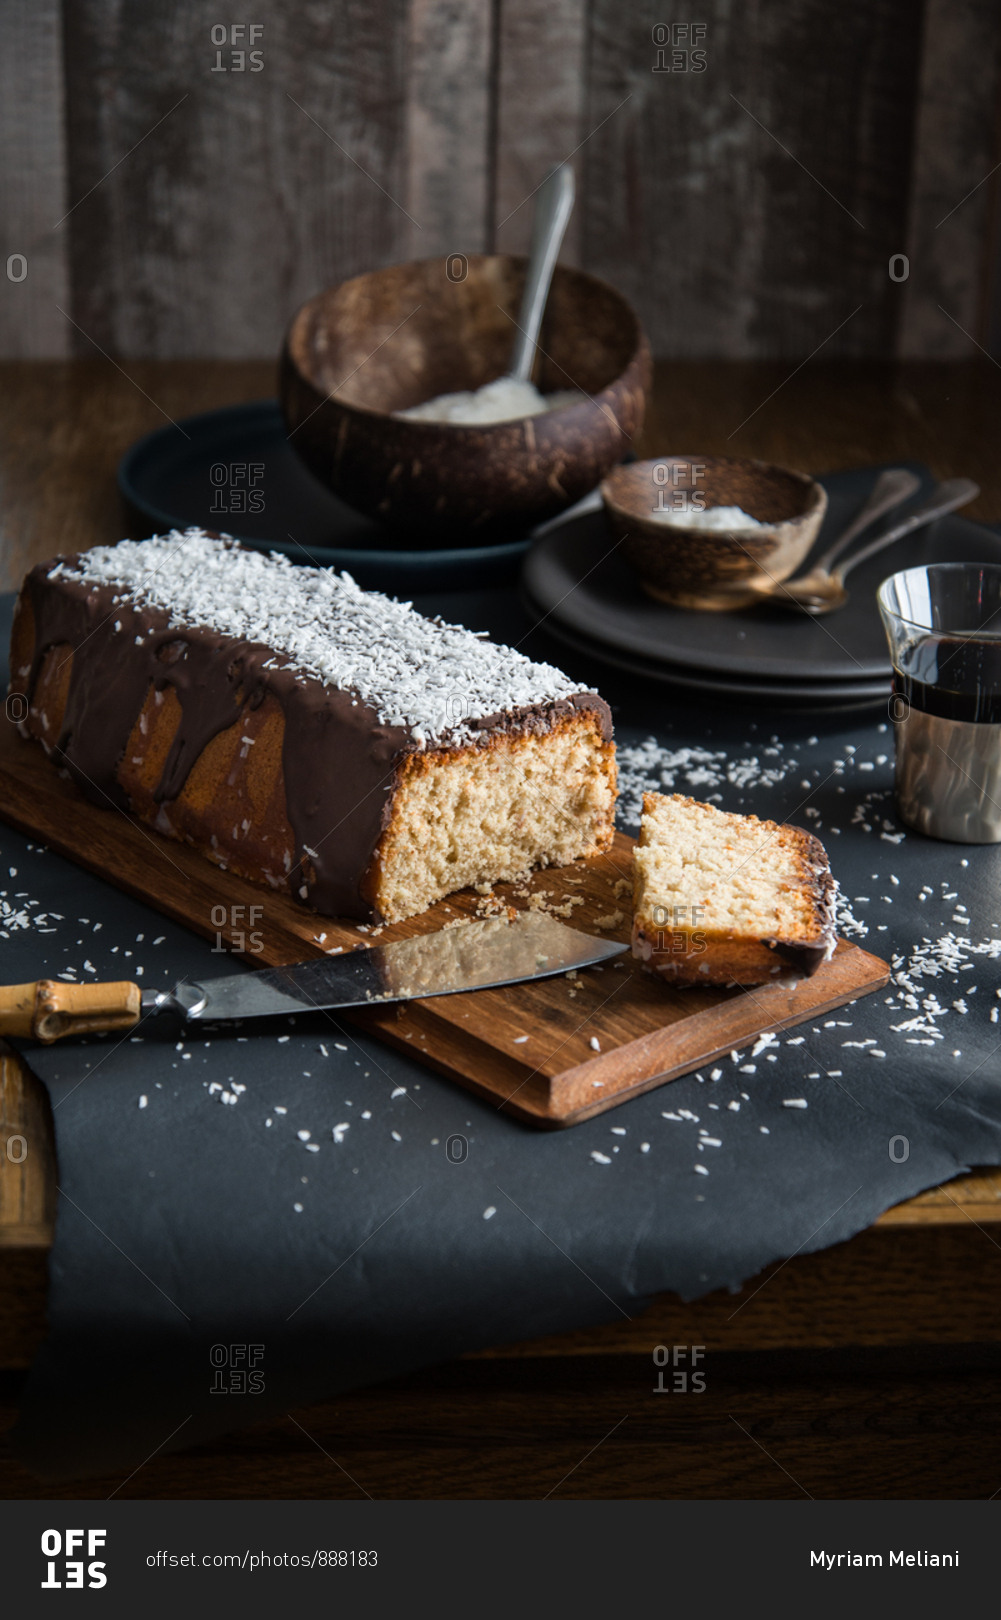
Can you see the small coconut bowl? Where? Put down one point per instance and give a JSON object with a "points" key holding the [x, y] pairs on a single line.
{"points": [[712, 569], [382, 342]]}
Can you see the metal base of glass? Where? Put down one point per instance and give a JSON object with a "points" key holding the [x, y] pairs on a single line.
{"points": [[949, 777]]}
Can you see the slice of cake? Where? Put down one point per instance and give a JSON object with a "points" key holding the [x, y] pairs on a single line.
{"points": [[722, 899], [305, 733]]}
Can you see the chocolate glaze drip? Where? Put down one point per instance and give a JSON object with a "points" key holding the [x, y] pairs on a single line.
{"points": [[340, 761]]}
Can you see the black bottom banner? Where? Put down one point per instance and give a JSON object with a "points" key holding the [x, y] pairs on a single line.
{"points": [[185, 1557]]}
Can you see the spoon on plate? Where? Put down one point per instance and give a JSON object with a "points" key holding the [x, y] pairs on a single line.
{"points": [[822, 590]]}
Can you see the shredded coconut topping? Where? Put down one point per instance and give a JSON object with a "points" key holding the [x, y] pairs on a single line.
{"points": [[433, 678]]}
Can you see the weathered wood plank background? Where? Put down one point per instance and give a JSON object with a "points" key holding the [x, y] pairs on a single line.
{"points": [[164, 192]]}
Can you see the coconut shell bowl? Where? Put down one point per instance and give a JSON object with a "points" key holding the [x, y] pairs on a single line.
{"points": [[691, 566], [380, 343]]}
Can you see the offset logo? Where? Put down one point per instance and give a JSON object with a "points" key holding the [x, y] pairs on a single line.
{"points": [[66, 1565], [236, 1370]]}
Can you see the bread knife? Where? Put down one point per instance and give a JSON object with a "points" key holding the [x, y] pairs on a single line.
{"points": [[467, 956]]}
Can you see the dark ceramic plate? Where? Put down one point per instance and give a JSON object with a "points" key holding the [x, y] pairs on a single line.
{"points": [[236, 472], [817, 697], [577, 576]]}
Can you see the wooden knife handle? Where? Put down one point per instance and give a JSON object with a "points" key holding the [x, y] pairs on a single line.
{"points": [[50, 1009]]}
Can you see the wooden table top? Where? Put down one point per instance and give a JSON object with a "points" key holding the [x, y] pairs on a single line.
{"points": [[923, 1281], [65, 424]]}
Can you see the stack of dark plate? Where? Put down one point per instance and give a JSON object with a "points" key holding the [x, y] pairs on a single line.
{"points": [[579, 587], [234, 470]]}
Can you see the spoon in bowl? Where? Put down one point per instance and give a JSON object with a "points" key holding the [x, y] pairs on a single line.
{"points": [[822, 590], [513, 395], [553, 207]]}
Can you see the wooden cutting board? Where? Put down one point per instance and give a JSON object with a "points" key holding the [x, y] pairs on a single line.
{"points": [[553, 1052]]}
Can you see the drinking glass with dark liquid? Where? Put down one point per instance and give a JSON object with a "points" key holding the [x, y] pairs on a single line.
{"points": [[943, 623]]}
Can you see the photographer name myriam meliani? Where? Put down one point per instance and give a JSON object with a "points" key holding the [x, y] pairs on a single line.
{"points": [[895, 1560]]}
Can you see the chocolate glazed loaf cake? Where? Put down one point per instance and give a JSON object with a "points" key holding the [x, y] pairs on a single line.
{"points": [[305, 733]]}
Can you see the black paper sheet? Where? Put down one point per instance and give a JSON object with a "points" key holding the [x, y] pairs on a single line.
{"points": [[252, 1219]]}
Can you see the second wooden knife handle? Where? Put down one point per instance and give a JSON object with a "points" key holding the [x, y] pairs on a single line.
{"points": [[50, 1009]]}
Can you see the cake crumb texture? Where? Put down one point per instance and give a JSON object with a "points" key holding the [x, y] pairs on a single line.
{"points": [[722, 898], [493, 814]]}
